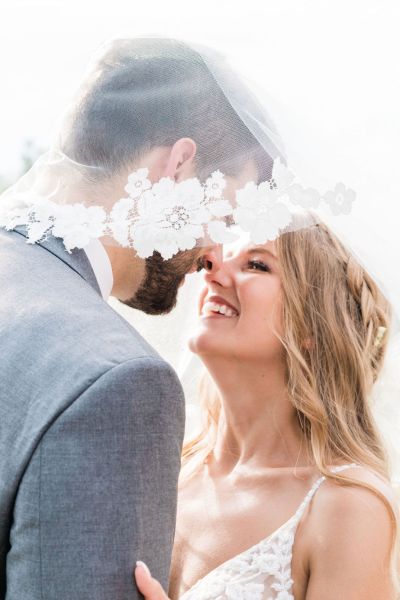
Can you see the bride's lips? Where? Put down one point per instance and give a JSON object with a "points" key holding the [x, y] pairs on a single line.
{"points": [[231, 310], [221, 300]]}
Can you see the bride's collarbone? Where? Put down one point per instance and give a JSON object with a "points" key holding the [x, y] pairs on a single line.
{"points": [[219, 520], [270, 483]]}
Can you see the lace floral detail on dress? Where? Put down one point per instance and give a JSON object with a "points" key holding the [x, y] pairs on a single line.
{"points": [[245, 576], [263, 572]]}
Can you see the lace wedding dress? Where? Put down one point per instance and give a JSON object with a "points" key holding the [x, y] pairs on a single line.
{"points": [[263, 572]]}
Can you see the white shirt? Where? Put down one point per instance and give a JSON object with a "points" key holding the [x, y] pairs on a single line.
{"points": [[101, 266]]}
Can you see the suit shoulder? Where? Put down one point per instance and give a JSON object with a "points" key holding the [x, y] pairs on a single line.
{"points": [[147, 387]]}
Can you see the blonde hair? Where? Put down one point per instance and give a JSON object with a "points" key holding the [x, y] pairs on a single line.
{"points": [[330, 301]]}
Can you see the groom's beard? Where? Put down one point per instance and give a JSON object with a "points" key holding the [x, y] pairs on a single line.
{"points": [[158, 293]]}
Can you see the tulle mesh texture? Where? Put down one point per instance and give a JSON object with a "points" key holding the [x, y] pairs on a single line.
{"points": [[145, 94]]}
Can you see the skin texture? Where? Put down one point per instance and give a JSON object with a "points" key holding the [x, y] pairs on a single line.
{"points": [[342, 543]]}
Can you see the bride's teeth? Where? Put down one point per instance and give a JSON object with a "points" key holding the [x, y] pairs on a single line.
{"points": [[213, 307]]}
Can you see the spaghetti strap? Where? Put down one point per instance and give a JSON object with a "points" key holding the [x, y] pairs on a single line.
{"points": [[315, 486], [343, 467]]}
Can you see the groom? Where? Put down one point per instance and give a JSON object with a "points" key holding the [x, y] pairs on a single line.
{"points": [[91, 418]]}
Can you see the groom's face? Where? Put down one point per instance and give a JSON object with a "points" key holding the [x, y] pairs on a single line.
{"points": [[158, 292]]}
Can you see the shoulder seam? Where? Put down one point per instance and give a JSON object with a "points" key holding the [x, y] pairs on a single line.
{"points": [[150, 359]]}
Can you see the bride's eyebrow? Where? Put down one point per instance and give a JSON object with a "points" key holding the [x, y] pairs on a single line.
{"points": [[261, 250]]}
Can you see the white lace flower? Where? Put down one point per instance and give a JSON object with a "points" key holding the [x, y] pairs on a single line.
{"points": [[138, 183], [121, 219], [190, 193], [239, 564], [282, 177], [41, 220], [244, 591], [164, 187], [245, 197], [215, 185], [286, 536], [167, 218], [219, 208], [305, 197], [77, 224], [268, 563], [340, 199], [260, 213], [170, 218], [220, 233], [284, 585]]}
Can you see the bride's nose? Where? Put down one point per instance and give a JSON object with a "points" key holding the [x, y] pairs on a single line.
{"points": [[219, 273], [212, 259]]}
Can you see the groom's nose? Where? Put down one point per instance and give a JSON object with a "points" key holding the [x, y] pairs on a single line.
{"points": [[212, 258]]}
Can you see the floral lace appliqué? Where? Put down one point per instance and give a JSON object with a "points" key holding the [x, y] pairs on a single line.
{"points": [[169, 216], [263, 569]]}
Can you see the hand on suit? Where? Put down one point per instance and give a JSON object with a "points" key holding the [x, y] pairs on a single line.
{"points": [[148, 586]]}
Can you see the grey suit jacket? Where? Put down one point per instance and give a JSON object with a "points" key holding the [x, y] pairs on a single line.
{"points": [[91, 429]]}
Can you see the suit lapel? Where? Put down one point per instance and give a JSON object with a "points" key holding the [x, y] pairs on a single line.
{"points": [[77, 260]]}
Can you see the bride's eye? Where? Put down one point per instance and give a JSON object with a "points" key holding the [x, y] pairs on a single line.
{"points": [[258, 265]]}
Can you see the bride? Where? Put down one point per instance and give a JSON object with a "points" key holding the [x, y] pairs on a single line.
{"points": [[285, 494]]}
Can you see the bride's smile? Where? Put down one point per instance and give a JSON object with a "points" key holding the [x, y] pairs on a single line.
{"points": [[240, 306]]}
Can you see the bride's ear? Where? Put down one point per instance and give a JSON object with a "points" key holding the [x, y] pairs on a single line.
{"points": [[180, 163]]}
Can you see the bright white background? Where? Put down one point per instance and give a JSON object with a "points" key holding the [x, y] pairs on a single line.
{"points": [[333, 63]]}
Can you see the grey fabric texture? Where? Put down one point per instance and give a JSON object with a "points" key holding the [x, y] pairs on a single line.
{"points": [[91, 430]]}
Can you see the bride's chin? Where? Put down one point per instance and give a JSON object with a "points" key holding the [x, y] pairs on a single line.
{"points": [[194, 344], [205, 342]]}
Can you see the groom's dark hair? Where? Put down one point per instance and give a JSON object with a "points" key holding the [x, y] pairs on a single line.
{"points": [[146, 93]]}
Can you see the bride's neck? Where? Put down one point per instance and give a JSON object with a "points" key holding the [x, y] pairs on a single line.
{"points": [[258, 423]]}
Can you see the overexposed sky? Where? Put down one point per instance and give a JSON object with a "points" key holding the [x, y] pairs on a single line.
{"points": [[326, 57], [334, 64]]}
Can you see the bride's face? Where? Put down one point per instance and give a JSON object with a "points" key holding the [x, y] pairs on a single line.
{"points": [[240, 309]]}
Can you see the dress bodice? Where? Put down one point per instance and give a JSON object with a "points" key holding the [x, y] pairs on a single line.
{"points": [[262, 572]]}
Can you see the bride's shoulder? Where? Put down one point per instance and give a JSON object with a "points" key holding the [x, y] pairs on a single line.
{"points": [[336, 494], [348, 536], [343, 512]]}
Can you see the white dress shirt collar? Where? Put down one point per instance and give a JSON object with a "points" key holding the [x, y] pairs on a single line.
{"points": [[101, 266]]}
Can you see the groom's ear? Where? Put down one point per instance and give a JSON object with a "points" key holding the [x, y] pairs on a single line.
{"points": [[180, 163]]}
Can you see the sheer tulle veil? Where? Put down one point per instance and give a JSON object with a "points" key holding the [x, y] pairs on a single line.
{"points": [[319, 163], [300, 171]]}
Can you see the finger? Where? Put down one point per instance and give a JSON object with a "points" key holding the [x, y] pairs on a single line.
{"points": [[148, 586]]}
